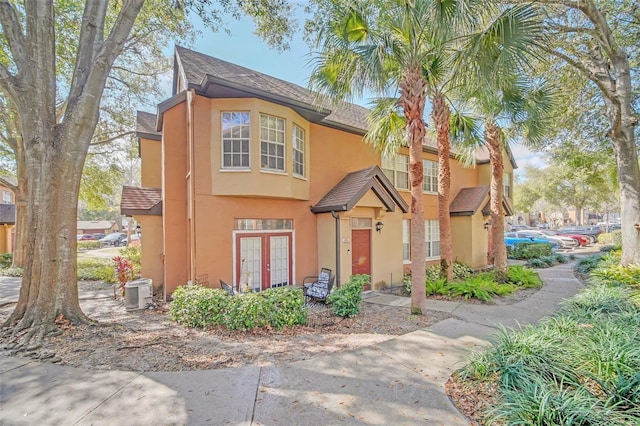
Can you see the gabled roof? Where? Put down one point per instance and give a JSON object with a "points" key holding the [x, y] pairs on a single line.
{"points": [[346, 194], [95, 224], [146, 126], [215, 78], [7, 214], [141, 201], [468, 201]]}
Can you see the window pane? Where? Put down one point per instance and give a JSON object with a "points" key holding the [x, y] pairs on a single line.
{"points": [[235, 139], [361, 222], [272, 142], [406, 239]]}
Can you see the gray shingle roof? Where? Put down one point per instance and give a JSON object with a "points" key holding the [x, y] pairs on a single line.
{"points": [[201, 71], [346, 194], [468, 200], [7, 214], [146, 125]]}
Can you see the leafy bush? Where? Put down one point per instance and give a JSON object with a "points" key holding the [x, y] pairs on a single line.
{"points": [[432, 273], [134, 255], [605, 239], [438, 286], [461, 270], [96, 270], [617, 273], [5, 260], [616, 237], [548, 260], [523, 277], [536, 263], [198, 306], [561, 258], [346, 301], [406, 282], [587, 264], [525, 251], [12, 272], [480, 286], [89, 245]]}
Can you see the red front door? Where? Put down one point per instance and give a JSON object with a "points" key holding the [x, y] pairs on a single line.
{"points": [[361, 251]]}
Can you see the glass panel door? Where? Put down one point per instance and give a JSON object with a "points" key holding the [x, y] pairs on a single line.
{"points": [[279, 261], [250, 263]]}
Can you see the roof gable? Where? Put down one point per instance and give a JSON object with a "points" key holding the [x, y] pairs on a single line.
{"points": [[141, 201], [468, 201], [146, 126], [346, 194]]}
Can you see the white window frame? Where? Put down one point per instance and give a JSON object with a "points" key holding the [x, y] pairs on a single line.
{"points": [[394, 168], [430, 180], [266, 133], [506, 185], [298, 141], [432, 239], [406, 241], [240, 140], [7, 198]]}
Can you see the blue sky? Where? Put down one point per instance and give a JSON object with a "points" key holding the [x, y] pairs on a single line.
{"points": [[244, 48]]}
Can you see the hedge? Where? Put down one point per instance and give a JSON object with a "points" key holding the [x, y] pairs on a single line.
{"points": [[525, 251]]}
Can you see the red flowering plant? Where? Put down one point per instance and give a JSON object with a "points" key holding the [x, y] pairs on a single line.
{"points": [[124, 272]]}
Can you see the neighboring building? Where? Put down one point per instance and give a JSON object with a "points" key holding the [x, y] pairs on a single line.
{"points": [[96, 227], [245, 180], [7, 219]]}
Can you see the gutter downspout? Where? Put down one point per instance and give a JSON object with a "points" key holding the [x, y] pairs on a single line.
{"points": [[337, 218]]}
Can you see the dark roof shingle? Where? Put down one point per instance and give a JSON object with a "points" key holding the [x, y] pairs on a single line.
{"points": [[141, 201], [7, 214], [346, 194], [468, 200], [146, 125]]}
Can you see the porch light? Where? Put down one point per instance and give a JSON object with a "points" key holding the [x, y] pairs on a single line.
{"points": [[138, 229], [379, 226], [487, 225]]}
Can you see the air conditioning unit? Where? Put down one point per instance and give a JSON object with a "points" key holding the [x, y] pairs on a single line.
{"points": [[138, 294]]}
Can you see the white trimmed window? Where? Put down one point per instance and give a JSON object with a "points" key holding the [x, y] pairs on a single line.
{"points": [[506, 185], [298, 151], [430, 176], [6, 197], [235, 140], [431, 238], [406, 240], [271, 143], [397, 170]]}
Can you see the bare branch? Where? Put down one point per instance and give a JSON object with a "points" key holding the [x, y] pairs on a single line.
{"points": [[9, 84], [142, 74], [111, 139]]}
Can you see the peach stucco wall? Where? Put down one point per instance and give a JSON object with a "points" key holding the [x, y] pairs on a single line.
{"points": [[152, 249], [5, 239], [151, 167]]}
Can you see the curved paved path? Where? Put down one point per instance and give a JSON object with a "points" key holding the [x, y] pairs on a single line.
{"points": [[400, 381]]}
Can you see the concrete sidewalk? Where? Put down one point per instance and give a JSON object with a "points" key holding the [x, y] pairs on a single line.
{"points": [[399, 381]]}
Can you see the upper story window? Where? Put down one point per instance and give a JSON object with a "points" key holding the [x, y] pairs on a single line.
{"points": [[298, 151], [506, 185], [271, 143], [6, 197], [235, 140], [430, 170], [397, 170]]}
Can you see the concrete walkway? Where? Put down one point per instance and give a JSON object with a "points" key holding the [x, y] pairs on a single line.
{"points": [[400, 381]]}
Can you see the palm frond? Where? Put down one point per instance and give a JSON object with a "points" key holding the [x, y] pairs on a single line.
{"points": [[466, 135], [387, 126]]}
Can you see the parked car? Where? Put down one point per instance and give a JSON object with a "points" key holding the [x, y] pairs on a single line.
{"points": [[113, 239], [561, 242], [98, 235], [510, 240], [515, 228], [591, 231], [86, 237], [582, 240]]}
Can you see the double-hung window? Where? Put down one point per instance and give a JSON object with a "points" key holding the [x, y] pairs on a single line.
{"points": [[298, 151], [432, 238], [397, 170], [272, 143], [430, 177], [235, 140], [6, 197], [406, 240], [506, 185]]}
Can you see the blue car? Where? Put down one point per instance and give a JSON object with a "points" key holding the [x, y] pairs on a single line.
{"points": [[512, 241]]}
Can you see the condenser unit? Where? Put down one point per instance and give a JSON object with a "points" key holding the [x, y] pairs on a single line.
{"points": [[138, 294]]}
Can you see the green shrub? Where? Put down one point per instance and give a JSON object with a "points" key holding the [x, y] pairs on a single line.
{"points": [[525, 251], [536, 263], [134, 255], [96, 270], [548, 260], [523, 277], [561, 258], [438, 286], [616, 237], [617, 273], [587, 264], [5, 260], [406, 282], [461, 271], [432, 273], [605, 239], [89, 245], [480, 286], [346, 301], [198, 306], [12, 272]]}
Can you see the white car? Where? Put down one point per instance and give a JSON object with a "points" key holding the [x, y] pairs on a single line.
{"points": [[562, 242]]}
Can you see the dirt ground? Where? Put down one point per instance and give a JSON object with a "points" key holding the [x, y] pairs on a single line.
{"points": [[147, 340]]}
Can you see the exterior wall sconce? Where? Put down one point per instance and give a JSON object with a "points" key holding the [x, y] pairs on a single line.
{"points": [[138, 229], [379, 226], [487, 225]]}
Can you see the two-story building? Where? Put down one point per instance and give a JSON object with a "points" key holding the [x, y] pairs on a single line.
{"points": [[244, 179], [7, 218]]}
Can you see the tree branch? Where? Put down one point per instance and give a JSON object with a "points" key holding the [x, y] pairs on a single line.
{"points": [[13, 33], [9, 84], [113, 138]]}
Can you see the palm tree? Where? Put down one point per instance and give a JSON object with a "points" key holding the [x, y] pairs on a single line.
{"points": [[396, 46]]}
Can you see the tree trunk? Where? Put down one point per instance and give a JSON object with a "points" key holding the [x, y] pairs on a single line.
{"points": [[441, 118], [499, 250], [412, 100]]}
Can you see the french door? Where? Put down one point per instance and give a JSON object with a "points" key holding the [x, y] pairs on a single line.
{"points": [[263, 260]]}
